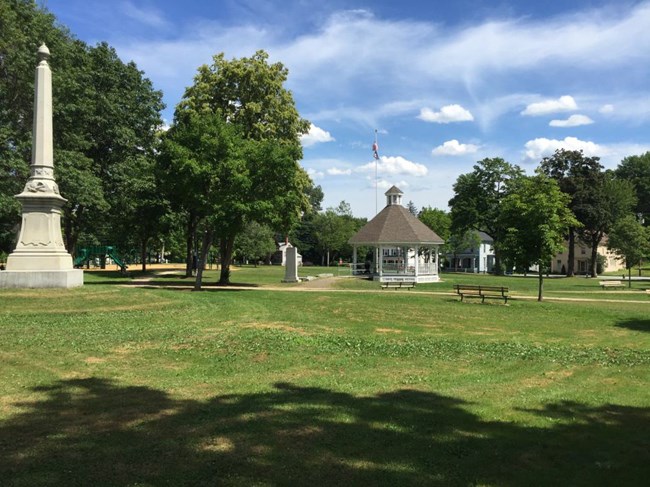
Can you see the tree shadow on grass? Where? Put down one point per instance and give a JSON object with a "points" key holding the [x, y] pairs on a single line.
{"points": [[95, 432], [636, 324]]}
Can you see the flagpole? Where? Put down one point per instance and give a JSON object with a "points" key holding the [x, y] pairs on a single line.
{"points": [[376, 178]]}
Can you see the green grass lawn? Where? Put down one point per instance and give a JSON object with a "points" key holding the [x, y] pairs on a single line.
{"points": [[116, 385]]}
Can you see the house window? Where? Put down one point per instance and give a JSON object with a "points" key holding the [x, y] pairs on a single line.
{"points": [[559, 262], [583, 251]]}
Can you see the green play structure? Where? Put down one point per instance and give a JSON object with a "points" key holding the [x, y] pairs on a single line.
{"points": [[101, 251]]}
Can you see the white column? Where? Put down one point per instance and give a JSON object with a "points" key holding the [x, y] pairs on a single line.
{"points": [[40, 258], [417, 261]]}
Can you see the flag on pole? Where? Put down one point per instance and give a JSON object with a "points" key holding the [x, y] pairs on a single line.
{"points": [[375, 150]]}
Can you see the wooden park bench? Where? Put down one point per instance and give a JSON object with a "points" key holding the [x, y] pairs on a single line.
{"points": [[398, 285], [608, 284], [482, 292]]}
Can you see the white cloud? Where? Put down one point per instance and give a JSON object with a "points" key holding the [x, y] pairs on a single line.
{"points": [[314, 174], [447, 114], [606, 108], [536, 149], [454, 148], [385, 184], [563, 104], [334, 171], [394, 166], [572, 121], [315, 135]]}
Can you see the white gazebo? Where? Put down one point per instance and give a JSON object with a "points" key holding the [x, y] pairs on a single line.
{"points": [[404, 248]]}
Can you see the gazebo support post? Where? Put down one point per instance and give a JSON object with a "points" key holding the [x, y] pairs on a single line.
{"points": [[417, 262]]}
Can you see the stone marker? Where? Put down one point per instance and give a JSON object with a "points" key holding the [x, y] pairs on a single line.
{"points": [[40, 258], [291, 267]]}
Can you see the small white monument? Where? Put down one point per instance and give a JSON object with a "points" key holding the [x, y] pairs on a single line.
{"points": [[40, 259], [291, 268]]}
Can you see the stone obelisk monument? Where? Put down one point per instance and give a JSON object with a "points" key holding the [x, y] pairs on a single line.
{"points": [[40, 258]]}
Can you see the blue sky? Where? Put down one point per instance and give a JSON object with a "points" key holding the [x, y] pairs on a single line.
{"points": [[445, 83]]}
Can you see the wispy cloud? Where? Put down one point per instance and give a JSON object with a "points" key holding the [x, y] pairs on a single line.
{"points": [[148, 16], [335, 171], [608, 108], [361, 48]]}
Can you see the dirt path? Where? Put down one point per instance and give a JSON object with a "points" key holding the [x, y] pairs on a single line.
{"points": [[327, 284], [319, 283]]}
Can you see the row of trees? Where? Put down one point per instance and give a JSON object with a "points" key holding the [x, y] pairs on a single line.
{"points": [[226, 172], [570, 196]]}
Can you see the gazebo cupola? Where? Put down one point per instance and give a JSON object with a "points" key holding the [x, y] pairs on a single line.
{"points": [[393, 196]]}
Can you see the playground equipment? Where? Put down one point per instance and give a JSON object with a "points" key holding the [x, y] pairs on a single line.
{"points": [[100, 251]]}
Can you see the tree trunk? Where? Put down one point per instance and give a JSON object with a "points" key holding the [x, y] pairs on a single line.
{"points": [[594, 258], [328, 258], [540, 290], [570, 265], [205, 249], [226, 245], [191, 227], [143, 253], [71, 231], [629, 277], [497, 263]]}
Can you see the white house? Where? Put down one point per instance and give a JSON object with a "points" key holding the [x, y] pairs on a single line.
{"points": [[477, 259]]}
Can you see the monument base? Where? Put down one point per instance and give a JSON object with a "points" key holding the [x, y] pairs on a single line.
{"points": [[42, 279]]}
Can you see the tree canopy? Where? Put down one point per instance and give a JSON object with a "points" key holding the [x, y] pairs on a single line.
{"points": [[535, 216], [636, 169], [630, 240], [259, 178], [106, 116], [477, 200]]}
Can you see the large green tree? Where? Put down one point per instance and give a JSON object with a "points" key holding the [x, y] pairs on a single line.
{"points": [[199, 167], [535, 217], [256, 242], [600, 208], [477, 201], [333, 228], [437, 220], [106, 114], [636, 169], [630, 240], [249, 94], [581, 178]]}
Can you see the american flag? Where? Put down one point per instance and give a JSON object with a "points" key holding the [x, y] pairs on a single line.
{"points": [[375, 150]]}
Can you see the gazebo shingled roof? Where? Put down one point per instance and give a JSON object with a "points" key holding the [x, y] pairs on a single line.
{"points": [[395, 225]]}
